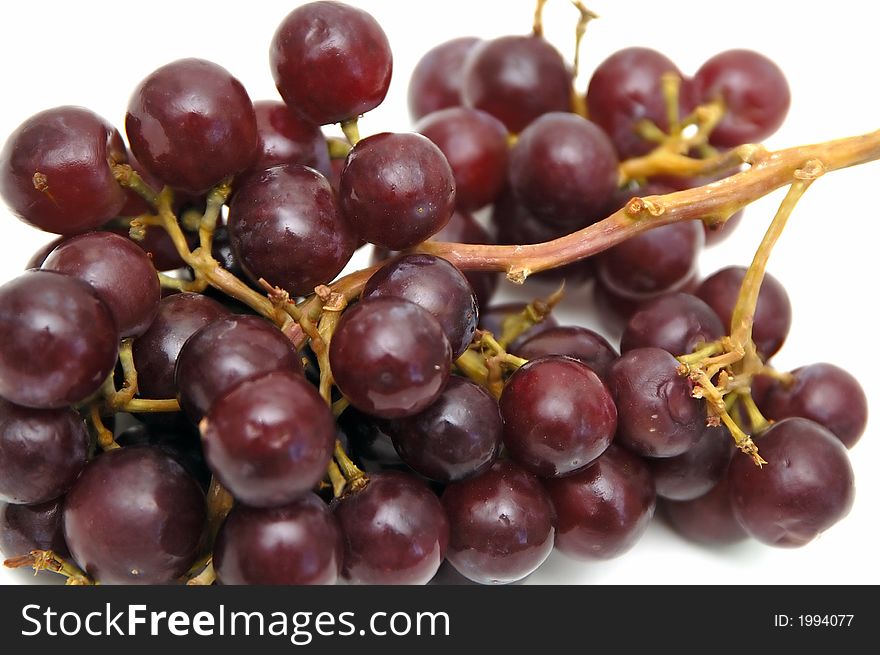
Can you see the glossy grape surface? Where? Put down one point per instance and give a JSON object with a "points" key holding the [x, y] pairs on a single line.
{"points": [[676, 322], [24, 528], [437, 77], [572, 341]]}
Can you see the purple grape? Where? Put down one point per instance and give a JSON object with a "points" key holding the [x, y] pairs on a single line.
{"points": [[695, 471], [437, 77], [571, 341], [284, 137], [394, 529], [676, 322], [59, 340], [24, 528], [706, 520], [297, 544], [605, 508]]}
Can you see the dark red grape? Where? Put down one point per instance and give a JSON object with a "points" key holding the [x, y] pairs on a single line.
{"points": [[269, 440], [134, 517], [434, 285], [659, 260], [706, 520], [59, 340], [192, 125], [55, 170], [516, 79], [456, 437], [42, 451], [492, 320], [627, 88], [284, 137], [656, 414], [390, 357], [823, 393], [695, 471], [805, 487], [298, 544], [286, 227], [461, 228], [604, 509], [24, 528], [226, 352], [396, 190], [475, 144], [331, 62], [437, 77], [558, 416], [676, 322], [501, 524], [394, 529], [772, 318], [564, 170], [576, 342], [754, 91], [156, 350], [120, 273]]}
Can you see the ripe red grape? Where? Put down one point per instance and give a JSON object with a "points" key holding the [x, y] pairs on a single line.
{"points": [[437, 77], [24, 528], [390, 357], [396, 190], [284, 137], [695, 471], [605, 508], [331, 62], [558, 416], [676, 322], [59, 340], [805, 487], [297, 544], [192, 125], [394, 530], [55, 170], [269, 440], [134, 517], [572, 341], [286, 227], [706, 520], [501, 524]]}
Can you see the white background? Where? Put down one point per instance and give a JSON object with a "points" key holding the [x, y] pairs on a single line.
{"points": [[94, 53]]}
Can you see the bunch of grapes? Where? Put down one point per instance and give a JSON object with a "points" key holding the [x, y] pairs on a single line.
{"points": [[189, 391]]}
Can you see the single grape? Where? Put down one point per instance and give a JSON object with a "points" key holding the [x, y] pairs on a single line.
{"points": [[394, 530], [156, 350], [286, 227], [695, 471], [456, 437], [656, 414], [192, 125], [605, 508], [501, 524], [134, 517], [269, 440], [806, 486], [434, 285], [705, 520], [754, 91], [475, 145], [180, 441], [772, 318], [42, 451], [297, 544], [331, 62], [823, 393], [24, 528], [119, 272], [390, 357], [55, 170], [627, 88], [492, 320], [284, 137], [578, 343], [461, 228], [226, 352], [563, 168], [558, 416], [59, 340], [516, 79], [676, 322], [396, 190], [437, 77]]}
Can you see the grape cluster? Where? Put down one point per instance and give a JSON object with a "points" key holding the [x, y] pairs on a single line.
{"points": [[154, 429]]}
